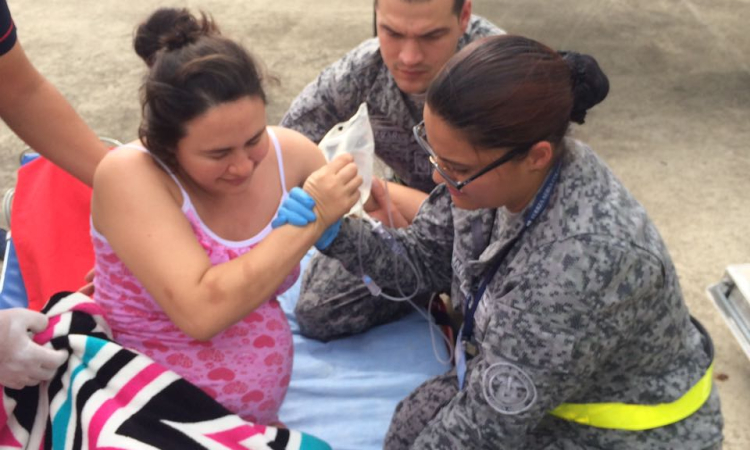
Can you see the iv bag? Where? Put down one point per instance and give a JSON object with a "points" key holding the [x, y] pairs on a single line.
{"points": [[354, 137]]}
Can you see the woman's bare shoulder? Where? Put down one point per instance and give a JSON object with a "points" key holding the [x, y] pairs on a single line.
{"points": [[301, 155], [130, 169]]}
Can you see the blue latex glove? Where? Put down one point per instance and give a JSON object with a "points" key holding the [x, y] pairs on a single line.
{"points": [[296, 210], [328, 236]]}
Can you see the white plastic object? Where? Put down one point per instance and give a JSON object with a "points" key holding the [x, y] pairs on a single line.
{"points": [[731, 296], [354, 137]]}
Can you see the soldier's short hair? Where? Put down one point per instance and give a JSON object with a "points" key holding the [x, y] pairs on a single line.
{"points": [[458, 5]]}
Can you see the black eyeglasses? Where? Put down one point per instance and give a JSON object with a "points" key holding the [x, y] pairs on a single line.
{"points": [[421, 136]]}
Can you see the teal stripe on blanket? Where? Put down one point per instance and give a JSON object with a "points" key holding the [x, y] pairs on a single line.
{"points": [[62, 418], [312, 443]]}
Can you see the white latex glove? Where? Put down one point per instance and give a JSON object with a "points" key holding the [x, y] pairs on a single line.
{"points": [[23, 362]]}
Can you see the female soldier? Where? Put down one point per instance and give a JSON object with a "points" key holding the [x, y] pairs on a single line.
{"points": [[575, 333]]}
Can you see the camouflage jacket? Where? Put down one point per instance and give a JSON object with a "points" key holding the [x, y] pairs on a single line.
{"points": [[585, 308], [362, 76]]}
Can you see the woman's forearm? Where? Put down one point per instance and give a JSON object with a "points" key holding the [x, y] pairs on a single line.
{"points": [[228, 292]]}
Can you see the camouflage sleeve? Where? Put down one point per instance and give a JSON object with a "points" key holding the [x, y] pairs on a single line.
{"points": [[480, 27], [544, 338], [332, 97], [427, 243]]}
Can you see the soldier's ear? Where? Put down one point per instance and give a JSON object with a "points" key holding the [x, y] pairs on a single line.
{"points": [[540, 156], [464, 16]]}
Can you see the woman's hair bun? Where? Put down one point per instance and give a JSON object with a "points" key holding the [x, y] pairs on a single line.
{"points": [[589, 83], [170, 29]]}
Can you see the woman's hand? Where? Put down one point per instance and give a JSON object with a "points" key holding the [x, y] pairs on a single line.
{"points": [[337, 184], [88, 288], [334, 188]]}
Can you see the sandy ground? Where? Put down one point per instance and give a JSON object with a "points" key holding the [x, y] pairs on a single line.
{"points": [[675, 127]]}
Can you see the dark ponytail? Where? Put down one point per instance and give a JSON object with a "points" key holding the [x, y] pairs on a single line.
{"points": [[590, 85], [511, 92], [192, 67]]}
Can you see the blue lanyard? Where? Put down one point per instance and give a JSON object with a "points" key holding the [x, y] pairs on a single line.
{"points": [[533, 213]]}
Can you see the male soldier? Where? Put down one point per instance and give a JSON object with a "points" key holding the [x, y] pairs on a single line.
{"points": [[391, 73]]}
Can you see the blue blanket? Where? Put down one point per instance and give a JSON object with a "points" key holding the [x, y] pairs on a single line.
{"points": [[345, 391]]}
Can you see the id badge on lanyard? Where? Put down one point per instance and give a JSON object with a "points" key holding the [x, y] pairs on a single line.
{"points": [[460, 358], [459, 353], [465, 342]]}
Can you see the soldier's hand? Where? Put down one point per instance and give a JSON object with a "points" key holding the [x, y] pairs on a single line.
{"points": [[378, 204], [297, 209]]}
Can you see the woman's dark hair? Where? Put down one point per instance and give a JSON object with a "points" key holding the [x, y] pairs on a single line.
{"points": [[192, 68], [511, 91]]}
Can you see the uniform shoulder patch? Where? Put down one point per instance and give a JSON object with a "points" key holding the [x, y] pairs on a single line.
{"points": [[508, 389]]}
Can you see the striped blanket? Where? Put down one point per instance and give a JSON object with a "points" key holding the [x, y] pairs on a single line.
{"points": [[109, 397]]}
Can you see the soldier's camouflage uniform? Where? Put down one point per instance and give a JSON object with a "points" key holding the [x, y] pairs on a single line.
{"points": [[361, 76], [585, 308]]}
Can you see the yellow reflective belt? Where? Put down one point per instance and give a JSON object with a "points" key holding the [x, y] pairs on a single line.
{"points": [[623, 416]]}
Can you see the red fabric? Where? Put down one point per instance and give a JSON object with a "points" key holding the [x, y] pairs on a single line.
{"points": [[50, 230]]}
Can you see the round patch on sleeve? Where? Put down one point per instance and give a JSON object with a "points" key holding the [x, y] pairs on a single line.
{"points": [[508, 389]]}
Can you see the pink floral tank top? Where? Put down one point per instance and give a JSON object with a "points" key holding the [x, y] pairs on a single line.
{"points": [[246, 368]]}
